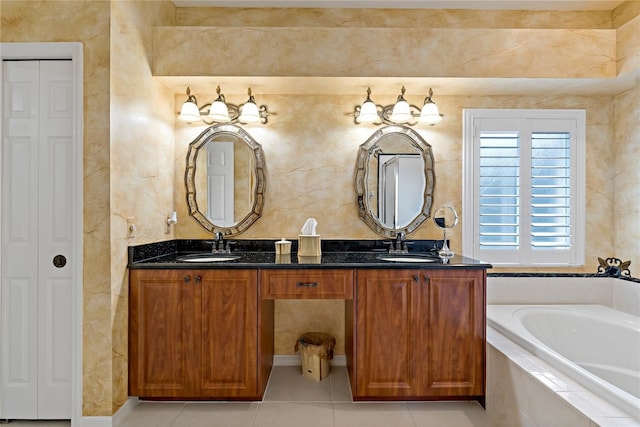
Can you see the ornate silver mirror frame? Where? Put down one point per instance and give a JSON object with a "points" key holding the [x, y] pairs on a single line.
{"points": [[213, 133], [368, 150]]}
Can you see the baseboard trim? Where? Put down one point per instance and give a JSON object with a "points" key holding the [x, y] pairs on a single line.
{"points": [[294, 360], [124, 411], [96, 421]]}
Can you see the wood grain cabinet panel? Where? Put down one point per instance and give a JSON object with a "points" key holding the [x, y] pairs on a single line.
{"points": [[454, 328], [419, 334], [161, 320], [194, 334], [229, 333], [386, 314]]}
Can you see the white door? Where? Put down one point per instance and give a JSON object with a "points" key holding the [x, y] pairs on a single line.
{"points": [[36, 235], [220, 182], [411, 186], [388, 190]]}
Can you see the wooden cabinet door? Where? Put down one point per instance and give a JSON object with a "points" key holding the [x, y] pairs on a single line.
{"points": [[229, 333], [161, 318], [386, 318], [453, 362]]}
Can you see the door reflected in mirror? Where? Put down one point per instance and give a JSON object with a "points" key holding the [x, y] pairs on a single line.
{"points": [[394, 180], [392, 188], [225, 179]]}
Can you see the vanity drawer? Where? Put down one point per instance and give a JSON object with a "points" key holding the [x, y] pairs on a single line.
{"points": [[307, 284]]}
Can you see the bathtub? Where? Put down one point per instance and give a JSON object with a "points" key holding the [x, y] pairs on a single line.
{"points": [[596, 346]]}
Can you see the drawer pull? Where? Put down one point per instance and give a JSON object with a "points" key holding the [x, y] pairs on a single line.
{"points": [[307, 285]]}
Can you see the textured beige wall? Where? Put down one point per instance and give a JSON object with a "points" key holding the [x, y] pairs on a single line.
{"points": [[397, 18], [310, 158], [347, 52], [624, 216], [623, 219], [311, 166], [142, 173], [310, 172], [116, 38], [88, 22]]}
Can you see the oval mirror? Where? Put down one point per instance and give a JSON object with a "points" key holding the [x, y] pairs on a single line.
{"points": [[394, 181], [225, 179]]}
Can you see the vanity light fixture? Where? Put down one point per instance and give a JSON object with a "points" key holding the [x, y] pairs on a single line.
{"points": [[368, 111], [399, 113], [430, 114], [190, 111], [221, 111], [250, 112]]}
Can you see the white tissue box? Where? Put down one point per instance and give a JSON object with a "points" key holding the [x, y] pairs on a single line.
{"points": [[309, 246]]}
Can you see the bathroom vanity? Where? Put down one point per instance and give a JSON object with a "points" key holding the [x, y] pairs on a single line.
{"points": [[204, 330]]}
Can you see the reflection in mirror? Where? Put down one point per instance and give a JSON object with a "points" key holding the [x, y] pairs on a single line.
{"points": [[225, 179], [445, 218], [394, 180]]}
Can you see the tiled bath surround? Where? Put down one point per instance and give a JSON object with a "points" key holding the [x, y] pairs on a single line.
{"points": [[522, 390]]}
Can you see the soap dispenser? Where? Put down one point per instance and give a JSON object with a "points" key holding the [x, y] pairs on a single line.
{"points": [[283, 247]]}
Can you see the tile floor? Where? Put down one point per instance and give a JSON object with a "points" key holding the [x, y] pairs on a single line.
{"points": [[293, 400]]}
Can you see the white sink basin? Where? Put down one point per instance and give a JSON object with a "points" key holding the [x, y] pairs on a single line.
{"points": [[406, 258], [207, 258]]}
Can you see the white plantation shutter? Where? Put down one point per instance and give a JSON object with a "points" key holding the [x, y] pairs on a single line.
{"points": [[499, 198], [551, 190], [524, 186]]}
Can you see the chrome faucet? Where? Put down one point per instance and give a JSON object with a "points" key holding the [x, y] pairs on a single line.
{"points": [[218, 243], [400, 246]]}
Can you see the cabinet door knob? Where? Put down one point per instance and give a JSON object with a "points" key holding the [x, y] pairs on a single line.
{"points": [[187, 279], [198, 278], [415, 278]]}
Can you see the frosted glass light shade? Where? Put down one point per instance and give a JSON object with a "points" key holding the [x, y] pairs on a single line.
{"points": [[401, 112], [189, 112], [219, 112], [249, 113], [430, 114], [368, 112]]}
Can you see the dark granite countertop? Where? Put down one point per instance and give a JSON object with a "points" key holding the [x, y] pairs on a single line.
{"points": [[261, 254]]}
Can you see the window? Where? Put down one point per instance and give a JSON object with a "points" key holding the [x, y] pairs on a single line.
{"points": [[524, 186]]}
